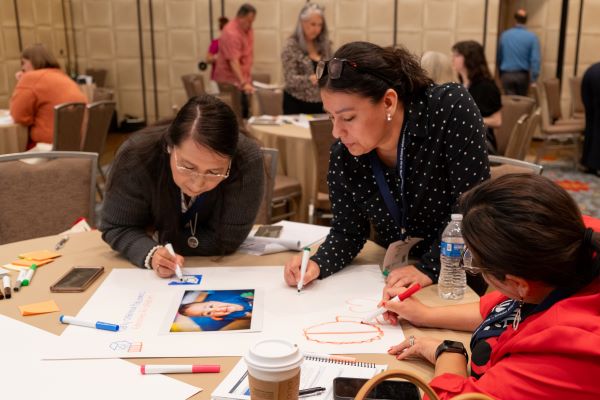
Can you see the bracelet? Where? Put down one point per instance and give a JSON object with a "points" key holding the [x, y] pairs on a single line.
{"points": [[148, 260]]}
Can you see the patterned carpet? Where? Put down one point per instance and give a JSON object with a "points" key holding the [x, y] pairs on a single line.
{"points": [[585, 188]]}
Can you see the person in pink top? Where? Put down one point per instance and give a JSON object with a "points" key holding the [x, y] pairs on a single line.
{"points": [[236, 52]]}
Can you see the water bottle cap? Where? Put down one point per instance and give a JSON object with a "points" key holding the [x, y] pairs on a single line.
{"points": [[456, 217]]}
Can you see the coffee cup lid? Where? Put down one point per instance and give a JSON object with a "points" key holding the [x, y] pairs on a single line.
{"points": [[274, 355]]}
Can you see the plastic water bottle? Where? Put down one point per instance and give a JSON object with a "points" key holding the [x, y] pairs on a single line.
{"points": [[453, 280]]}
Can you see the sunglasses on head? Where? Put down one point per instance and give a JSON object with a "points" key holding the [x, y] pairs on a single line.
{"points": [[335, 67]]}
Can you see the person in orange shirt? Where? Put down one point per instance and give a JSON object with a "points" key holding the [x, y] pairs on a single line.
{"points": [[41, 86]]}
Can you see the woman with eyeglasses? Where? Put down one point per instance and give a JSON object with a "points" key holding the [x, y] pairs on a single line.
{"points": [[196, 183], [303, 50], [406, 150], [538, 335]]}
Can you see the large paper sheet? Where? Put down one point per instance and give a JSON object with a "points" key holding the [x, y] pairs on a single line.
{"points": [[294, 236], [324, 318], [25, 376]]}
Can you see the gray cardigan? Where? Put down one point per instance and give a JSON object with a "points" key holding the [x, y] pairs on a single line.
{"points": [[225, 217]]}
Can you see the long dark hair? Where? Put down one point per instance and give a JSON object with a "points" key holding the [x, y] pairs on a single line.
{"points": [[401, 68], [205, 119], [528, 226], [475, 62]]}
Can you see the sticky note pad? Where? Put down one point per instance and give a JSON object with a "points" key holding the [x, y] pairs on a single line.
{"points": [[23, 262], [40, 255], [39, 308]]}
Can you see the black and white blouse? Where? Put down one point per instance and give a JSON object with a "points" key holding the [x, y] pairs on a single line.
{"points": [[445, 155]]}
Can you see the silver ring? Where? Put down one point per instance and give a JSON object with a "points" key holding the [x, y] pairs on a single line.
{"points": [[411, 341]]}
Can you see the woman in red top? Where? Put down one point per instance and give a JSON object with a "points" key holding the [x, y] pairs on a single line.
{"points": [[538, 336]]}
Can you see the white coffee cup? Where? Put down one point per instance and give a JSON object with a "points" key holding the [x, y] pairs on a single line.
{"points": [[274, 370]]}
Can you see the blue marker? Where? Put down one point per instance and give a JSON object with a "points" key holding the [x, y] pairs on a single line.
{"points": [[105, 326]]}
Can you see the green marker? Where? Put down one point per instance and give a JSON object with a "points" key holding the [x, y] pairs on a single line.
{"points": [[385, 272], [29, 275]]}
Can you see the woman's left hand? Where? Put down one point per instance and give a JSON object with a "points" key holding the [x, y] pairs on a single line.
{"points": [[422, 347]]}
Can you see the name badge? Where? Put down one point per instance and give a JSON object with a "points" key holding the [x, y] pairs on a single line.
{"points": [[397, 254]]}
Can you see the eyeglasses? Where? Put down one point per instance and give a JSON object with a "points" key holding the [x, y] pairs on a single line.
{"points": [[466, 262], [211, 176], [335, 67]]}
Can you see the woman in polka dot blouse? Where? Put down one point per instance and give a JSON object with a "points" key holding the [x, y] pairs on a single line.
{"points": [[406, 150]]}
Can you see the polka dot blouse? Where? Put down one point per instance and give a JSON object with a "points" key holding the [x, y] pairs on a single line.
{"points": [[445, 156]]}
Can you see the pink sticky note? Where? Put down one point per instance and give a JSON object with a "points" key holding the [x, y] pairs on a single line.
{"points": [[39, 308]]}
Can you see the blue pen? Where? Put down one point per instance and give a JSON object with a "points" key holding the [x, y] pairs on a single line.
{"points": [[105, 326]]}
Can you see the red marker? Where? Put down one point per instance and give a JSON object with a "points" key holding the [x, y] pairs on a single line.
{"points": [[401, 297], [178, 369]]}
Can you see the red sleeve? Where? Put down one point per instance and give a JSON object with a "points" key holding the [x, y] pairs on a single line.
{"points": [[230, 46], [23, 103], [489, 301]]}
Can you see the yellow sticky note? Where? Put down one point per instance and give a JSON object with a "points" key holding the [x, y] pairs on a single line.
{"points": [[40, 255], [39, 308], [28, 263]]}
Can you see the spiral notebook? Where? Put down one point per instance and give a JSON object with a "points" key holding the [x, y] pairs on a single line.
{"points": [[316, 371]]}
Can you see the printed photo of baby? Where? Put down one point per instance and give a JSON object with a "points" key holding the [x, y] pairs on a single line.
{"points": [[214, 310]]}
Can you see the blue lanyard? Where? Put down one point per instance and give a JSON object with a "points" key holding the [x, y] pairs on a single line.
{"points": [[399, 214]]}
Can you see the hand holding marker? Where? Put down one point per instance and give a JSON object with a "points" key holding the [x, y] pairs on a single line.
{"points": [[401, 297], [303, 265], [178, 272]]}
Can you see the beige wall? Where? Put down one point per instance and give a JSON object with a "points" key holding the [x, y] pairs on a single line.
{"points": [[106, 35]]}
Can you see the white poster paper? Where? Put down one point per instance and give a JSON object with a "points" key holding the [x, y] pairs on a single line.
{"points": [[324, 318], [28, 377]]}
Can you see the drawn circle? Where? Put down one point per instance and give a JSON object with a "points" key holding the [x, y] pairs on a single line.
{"points": [[343, 331]]}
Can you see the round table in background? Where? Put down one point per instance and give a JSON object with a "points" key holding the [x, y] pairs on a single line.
{"points": [[13, 137]]}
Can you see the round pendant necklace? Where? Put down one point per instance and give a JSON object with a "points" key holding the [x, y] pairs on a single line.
{"points": [[192, 240]]}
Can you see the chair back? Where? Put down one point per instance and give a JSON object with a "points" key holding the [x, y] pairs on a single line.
{"points": [[513, 148], [68, 121], [513, 108], [503, 166], [270, 157], [546, 117], [45, 198], [533, 125], [263, 77], [231, 95], [322, 139], [577, 107], [270, 102], [98, 121], [98, 75], [552, 89], [193, 85]]}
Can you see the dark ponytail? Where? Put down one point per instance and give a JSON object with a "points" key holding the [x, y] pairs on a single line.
{"points": [[528, 226]]}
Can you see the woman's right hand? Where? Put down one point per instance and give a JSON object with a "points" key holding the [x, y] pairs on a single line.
{"points": [[410, 309], [18, 74], [291, 271], [163, 263]]}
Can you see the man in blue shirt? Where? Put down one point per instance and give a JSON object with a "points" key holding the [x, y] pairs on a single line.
{"points": [[518, 57]]}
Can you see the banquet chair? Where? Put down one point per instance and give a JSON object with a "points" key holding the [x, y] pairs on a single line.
{"points": [[47, 197], [232, 96], [68, 121], [522, 135], [557, 133], [98, 75], [500, 166], [270, 102], [513, 108], [322, 139], [577, 108], [263, 77], [98, 121], [193, 85], [265, 211]]}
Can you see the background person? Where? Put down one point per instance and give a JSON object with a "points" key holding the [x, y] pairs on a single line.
{"points": [[236, 54], [538, 336], [302, 51], [438, 67], [196, 183], [406, 150], [518, 57], [590, 95], [41, 85], [469, 62], [213, 49]]}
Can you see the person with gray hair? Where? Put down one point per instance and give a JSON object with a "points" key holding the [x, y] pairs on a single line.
{"points": [[308, 45], [438, 66]]}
